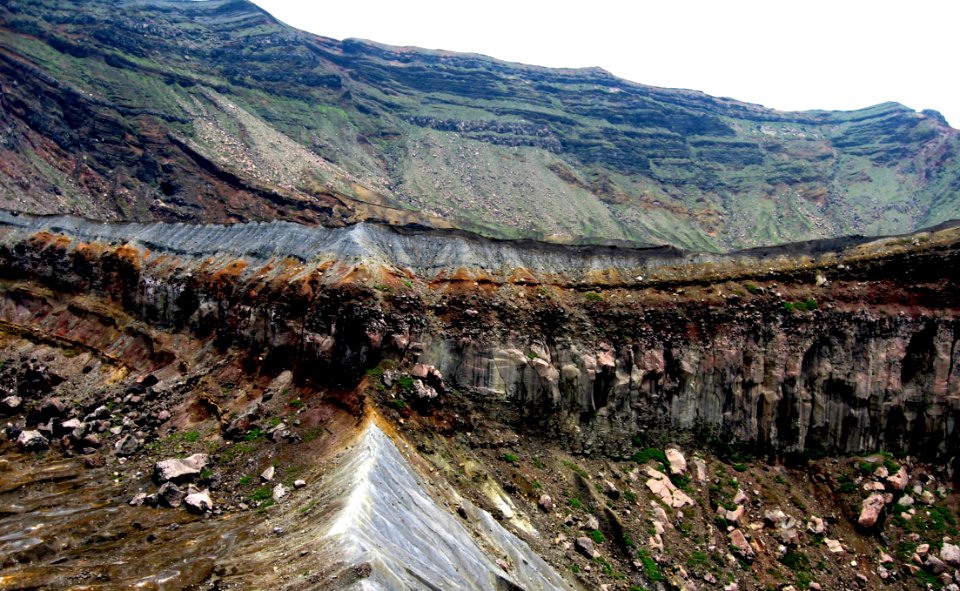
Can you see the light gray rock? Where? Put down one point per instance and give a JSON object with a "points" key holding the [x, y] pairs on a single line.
{"points": [[546, 503], [180, 470], [11, 405], [585, 546], [950, 553], [32, 441], [170, 495], [127, 445], [268, 474], [199, 502], [678, 463]]}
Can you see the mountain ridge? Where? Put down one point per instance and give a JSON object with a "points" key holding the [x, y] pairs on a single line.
{"points": [[216, 111]]}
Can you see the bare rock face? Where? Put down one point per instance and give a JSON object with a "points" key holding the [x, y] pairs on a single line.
{"points": [[870, 510]]}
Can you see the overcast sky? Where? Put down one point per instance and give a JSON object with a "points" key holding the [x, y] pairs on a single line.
{"points": [[838, 54]]}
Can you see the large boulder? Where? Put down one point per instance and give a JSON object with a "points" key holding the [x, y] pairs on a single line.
{"points": [[199, 502], [740, 545], [660, 485], [950, 553], [585, 546], [32, 441], [127, 445], [170, 495], [678, 463], [870, 510], [180, 470]]}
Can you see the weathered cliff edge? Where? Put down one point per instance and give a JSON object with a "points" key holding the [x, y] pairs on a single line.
{"points": [[573, 344]]}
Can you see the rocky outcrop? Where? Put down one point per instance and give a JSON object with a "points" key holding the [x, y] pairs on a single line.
{"points": [[854, 375]]}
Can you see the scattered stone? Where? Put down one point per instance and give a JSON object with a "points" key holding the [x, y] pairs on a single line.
{"points": [[299, 483], [180, 470], [660, 485], [138, 499], [170, 495], [678, 463], [32, 441], [95, 461], [833, 546], [584, 545], [52, 408], [591, 523], [899, 480], [199, 502], [736, 516], [905, 501], [611, 490], [815, 525], [279, 491], [546, 503], [922, 550], [700, 470], [870, 510], [950, 553], [268, 474], [927, 498], [740, 498], [11, 405], [741, 545], [790, 537], [935, 565], [127, 445], [163, 415], [423, 391]]}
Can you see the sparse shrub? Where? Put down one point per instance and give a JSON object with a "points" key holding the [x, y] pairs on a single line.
{"points": [[262, 494], [796, 561], [191, 436], [592, 296], [575, 503], [650, 453], [252, 434], [697, 558], [753, 289], [510, 458], [405, 383], [597, 536], [398, 404], [740, 467], [650, 567], [246, 480], [630, 496]]}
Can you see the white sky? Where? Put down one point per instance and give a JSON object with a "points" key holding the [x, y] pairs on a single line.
{"points": [[815, 54]]}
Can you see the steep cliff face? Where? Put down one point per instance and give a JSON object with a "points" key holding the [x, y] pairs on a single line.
{"points": [[728, 349], [214, 111]]}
